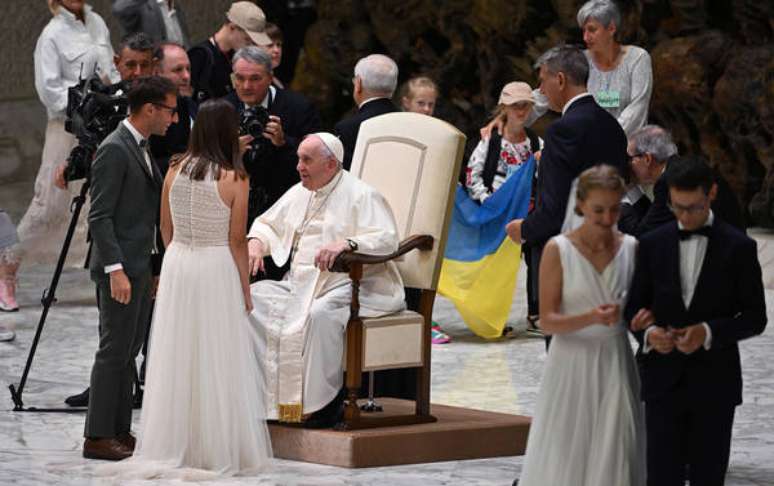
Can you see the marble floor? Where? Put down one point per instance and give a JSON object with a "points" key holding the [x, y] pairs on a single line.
{"points": [[503, 376]]}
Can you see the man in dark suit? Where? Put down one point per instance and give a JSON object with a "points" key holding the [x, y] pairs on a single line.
{"points": [[272, 163], [172, 63], [585, 135], [700, 280], [646, 204], [162, 20], [125, 196], [376, 77]]}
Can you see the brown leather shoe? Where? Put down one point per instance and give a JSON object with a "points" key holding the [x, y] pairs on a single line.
{"points": [[109, 449], [128, 440]]}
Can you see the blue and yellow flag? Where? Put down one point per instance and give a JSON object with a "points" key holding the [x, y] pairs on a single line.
{"points": [[481, 263]]}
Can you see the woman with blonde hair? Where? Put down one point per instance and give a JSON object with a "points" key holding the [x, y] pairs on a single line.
{"points": [[589, 424], [75, 42]]}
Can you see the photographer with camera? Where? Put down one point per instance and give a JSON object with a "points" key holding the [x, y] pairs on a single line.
{"points": [[134, 59], [76, 40], [277, 120]]}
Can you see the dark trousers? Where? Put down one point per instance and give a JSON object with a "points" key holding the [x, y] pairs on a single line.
{"points": [[532, 259], [122, 333], [688, 438]]}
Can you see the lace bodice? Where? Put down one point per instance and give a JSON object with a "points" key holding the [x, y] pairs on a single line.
{"points": [[200, 218]]}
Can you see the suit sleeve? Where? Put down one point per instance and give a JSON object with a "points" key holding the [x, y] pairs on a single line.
{"points": [[128, 14], [557, 176], [107, 176], [628, 221], [641, 290], [750, 319], [344, 132], [658, 214]]}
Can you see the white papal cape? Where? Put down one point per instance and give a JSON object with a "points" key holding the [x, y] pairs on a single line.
{"points": [[301, 319]]}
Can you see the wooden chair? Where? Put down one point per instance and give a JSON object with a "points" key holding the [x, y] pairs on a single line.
{"points": [[413, 160]]}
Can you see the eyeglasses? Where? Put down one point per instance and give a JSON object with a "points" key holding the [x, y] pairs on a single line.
{"points": [[692, 209], [172, 111]]}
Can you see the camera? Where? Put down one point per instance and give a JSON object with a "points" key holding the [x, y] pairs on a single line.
{"points": [[253, 122], [94, 109]]}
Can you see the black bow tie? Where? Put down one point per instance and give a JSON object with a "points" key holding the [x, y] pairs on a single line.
{"points": [[703, 231]]}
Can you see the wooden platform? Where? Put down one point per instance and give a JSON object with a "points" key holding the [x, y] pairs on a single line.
{"points": [[459, 433]]}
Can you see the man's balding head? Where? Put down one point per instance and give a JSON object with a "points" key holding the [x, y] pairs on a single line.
{"points": [[172, 63]]}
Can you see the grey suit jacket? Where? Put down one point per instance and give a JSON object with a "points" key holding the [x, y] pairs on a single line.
{"points": [[125, 199], [146, 16]]}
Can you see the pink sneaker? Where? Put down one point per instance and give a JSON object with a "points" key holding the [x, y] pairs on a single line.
{"points": [[437, 336], [8, 295]]}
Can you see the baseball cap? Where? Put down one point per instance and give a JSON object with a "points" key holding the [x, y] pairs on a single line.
{"points": [[250, 18], [515, 92]]}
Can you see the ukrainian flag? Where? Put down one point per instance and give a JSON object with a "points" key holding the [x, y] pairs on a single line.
{"points": [[481, 263]]}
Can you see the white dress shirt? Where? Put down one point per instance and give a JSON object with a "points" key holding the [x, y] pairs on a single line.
{"points": [[691, 252], [66, 49], [138, 137]]}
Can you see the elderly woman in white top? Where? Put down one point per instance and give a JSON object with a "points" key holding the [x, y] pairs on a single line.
{"points": [[75, 41], [620, 76]]}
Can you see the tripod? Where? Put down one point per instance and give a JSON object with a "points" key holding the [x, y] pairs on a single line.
{"points": [[48, 299]]}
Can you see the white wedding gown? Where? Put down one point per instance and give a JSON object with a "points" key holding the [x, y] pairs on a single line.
{"points": [[204, 410], [588, 428]]}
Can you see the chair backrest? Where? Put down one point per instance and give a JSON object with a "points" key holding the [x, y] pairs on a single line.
{"points": [[413, 160]]}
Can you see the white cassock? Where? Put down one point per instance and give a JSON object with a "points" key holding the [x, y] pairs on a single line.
{"points": [[301, 320]]}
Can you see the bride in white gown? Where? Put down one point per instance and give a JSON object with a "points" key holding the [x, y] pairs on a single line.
{"points": [[588, 428], [203, 413]]}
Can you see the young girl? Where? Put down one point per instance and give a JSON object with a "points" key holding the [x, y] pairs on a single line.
{"points": [[418, 95]]}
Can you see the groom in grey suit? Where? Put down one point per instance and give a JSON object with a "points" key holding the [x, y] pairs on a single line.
{"points": [[125, 197]]}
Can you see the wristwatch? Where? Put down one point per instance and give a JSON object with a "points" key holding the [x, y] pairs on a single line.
{"points": [[352, 244]]}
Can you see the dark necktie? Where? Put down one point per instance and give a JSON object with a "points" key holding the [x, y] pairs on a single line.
{"points": [[703, 231]]}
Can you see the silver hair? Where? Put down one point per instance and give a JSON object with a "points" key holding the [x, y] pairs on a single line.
{"points": [[603, 11], [378, 73], [569, 60], [653, 140], [255, 55]]}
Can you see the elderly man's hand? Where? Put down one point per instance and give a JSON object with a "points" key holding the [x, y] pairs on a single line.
{"points": [[273, 131], [244, 143], [328, 253], [255, 256], [514, 230], [59, 177]]}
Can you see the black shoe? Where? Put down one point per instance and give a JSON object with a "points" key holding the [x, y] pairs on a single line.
{"points": [[328, 416], [515, 482], [79, 400]]}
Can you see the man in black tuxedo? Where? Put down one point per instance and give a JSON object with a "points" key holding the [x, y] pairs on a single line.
{"points": [[646, 204], [585, 135], [376, 77], [701, 280], [125, 195], [172, 63], [273, 167]]}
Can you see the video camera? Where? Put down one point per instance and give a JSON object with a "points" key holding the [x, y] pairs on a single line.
{"points": [[93, 111]]}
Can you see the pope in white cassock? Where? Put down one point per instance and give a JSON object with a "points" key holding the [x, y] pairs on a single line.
{"points": [[301, 319]]}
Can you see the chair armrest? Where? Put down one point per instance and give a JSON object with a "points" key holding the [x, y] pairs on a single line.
{"points": [[345, 260]]}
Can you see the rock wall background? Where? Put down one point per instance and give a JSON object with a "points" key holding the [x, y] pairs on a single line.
{"points": [[713, 64]]}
